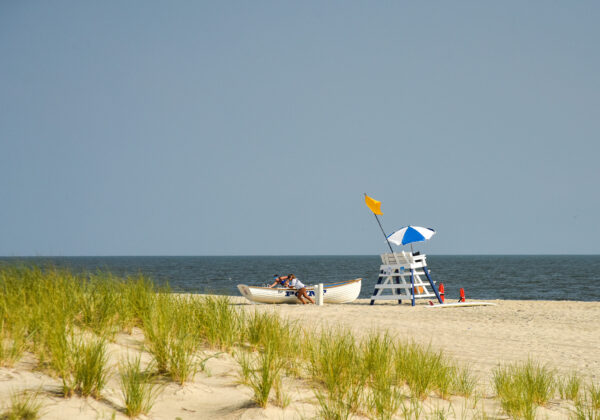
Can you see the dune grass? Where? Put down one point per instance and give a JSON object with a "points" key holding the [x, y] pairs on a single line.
{"points": [[23, 406], [99, 303], [587, 406], [569, 387], [266, 374], [593, 392], [139, 387], [262, 329], [81, 364], [424, 370], [12, 341], [66, 320], [282, 398], [521, 387], [277, 343], [464, 383], [219, 324], [384, 397], [244, 360], [173, 336], [90, 369], [335, 366]]}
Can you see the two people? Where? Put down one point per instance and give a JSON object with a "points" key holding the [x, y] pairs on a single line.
{"points": [[292, 281]]}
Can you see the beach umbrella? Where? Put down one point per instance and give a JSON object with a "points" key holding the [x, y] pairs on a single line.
{"points": [[409, 234]]}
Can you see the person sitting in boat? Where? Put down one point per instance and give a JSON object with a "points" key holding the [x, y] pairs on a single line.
{"points": [[279, 280], [292, 281]]}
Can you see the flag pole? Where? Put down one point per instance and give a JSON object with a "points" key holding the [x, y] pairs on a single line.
{"points": [[382, 231], [386, 239]]}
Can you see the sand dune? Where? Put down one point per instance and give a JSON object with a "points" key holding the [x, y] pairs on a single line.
{"points": [[564, 335]]}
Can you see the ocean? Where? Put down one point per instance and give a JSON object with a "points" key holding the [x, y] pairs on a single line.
{"points": [[527, 277]]}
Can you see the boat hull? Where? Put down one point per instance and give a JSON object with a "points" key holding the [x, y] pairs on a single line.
{"points": [[343, 292]]}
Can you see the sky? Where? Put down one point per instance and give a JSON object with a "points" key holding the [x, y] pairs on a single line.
{"points": [[255, 128]]}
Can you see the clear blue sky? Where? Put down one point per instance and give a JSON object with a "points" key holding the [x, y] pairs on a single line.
{"points": [[242, 128]]}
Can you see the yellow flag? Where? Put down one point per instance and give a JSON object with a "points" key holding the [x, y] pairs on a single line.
{"points": [[373, 204]]}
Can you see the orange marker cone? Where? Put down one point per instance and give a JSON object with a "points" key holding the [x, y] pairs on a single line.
{"points": [[462, 295], [441, 290]]}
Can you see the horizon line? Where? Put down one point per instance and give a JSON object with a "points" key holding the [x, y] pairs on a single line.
{"points": [[277, 255]]}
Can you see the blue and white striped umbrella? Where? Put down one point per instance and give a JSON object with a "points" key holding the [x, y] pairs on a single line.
{"points": [[409, 234]]}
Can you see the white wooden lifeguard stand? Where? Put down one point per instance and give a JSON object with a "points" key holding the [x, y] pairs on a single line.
{"points": [[400, 273]]}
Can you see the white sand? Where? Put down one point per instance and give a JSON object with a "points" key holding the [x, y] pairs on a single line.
{"points": [[564, 335]]}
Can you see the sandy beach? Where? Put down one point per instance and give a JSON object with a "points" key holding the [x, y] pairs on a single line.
{"points": [[564, 335]]}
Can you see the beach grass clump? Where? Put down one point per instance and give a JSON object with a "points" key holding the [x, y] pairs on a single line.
{"points": [[52, 343], [139, 387], [185, 341], [245, 361], [423, 370], [377, 354], [13, 340], [521, 387], [81, 363], [157, 324], [56, 353], [183, 363], [411, 409], [101, 302], [90, 367], [23, 406], [587, 407], [282, 399], [98, 304], [515, 399], [334, 359], [219, 324], [585, 411], [593, 392], [14, 321], [28, 298], [384, 397], [464, 382], [277, 344], [172, 336], [109, 304], [335, 365], [569, 387], [136, 300], [265, 374], [445, 379], [262, 329]]}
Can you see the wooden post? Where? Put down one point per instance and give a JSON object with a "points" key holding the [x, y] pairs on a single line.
{"points": [[412, 285], [396, 291], [437, 293], [377, 291], [319, 294]]}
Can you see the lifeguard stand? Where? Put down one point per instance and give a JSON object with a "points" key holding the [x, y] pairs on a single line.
{"points": [[400, 273]]}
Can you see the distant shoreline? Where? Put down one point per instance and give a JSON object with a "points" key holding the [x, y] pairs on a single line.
{"points": [[286, 256]]}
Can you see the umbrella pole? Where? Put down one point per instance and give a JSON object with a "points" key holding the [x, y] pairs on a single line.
{"points": [[382, 231]]}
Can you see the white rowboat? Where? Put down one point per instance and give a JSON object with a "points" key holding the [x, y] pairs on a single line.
{"points": [[343, 292]]}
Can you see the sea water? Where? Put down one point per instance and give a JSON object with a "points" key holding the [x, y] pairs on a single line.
{"points": [[554, 277]]}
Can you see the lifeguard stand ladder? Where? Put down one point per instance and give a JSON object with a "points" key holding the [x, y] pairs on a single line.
{"points": [[401, 273]]}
